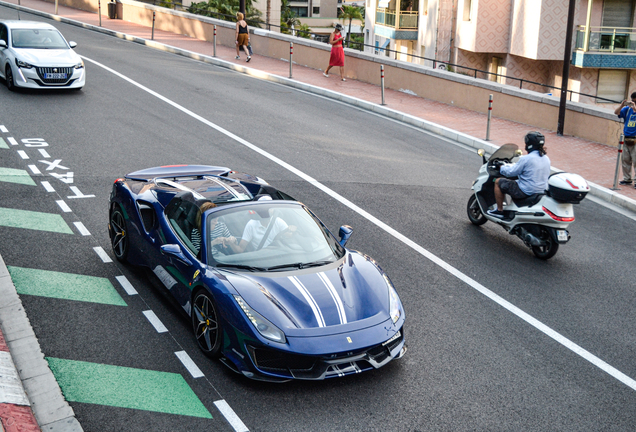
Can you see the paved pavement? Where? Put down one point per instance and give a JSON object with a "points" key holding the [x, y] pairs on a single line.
{"points": [[19, 412]]}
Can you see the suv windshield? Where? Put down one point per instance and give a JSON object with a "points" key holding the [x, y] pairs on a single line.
{"points": [[268, 236], [37, 39]]}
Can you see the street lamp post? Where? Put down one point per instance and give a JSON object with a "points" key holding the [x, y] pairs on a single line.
{"points": [[566, 67]]}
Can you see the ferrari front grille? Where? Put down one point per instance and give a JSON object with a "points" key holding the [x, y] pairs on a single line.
{"points": [[270, 360]]}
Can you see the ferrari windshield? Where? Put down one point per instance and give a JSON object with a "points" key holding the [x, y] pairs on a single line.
{"points": [[38, 39], [265, 236]]}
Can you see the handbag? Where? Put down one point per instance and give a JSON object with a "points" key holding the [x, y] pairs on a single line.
{"points": [[249, 47]]}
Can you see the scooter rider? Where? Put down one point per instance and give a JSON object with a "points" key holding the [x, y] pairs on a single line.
{"points": [[532, 171]]}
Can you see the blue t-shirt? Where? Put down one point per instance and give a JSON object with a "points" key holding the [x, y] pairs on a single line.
{"points": [[533, 171], [629, 116]]}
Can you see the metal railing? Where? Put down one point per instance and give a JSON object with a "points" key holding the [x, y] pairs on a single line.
{"points": [[437, 64], [606, 39], [405, 20]]}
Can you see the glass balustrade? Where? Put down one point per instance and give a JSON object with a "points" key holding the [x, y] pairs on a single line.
{"points": [[404, 20], [606, 39]]}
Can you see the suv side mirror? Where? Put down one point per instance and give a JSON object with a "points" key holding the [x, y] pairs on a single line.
{"points": [[344, 233], [3, 43]]}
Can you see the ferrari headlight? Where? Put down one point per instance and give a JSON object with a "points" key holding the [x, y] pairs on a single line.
{"points": [[395, 307], [21, 64], [264, 327]]}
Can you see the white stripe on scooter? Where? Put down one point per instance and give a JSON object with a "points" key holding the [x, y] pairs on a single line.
{"points": [[310, 300], [419, 249], [336, 298]]}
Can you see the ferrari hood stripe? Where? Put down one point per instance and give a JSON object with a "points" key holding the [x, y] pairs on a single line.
{"points": [[336, 298], [310, 300]]}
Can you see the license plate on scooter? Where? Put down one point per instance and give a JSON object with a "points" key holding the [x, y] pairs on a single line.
{"points": [[562, 235]]}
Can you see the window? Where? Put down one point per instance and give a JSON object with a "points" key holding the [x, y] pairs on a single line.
{"points": [[299, 11], [316, 10], [3, 33], [468, 7], [612, 84]]}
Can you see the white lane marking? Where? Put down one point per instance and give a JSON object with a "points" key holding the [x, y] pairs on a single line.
{"points": [[65, 208], [3, 129], [78, 193], [472, 283], [126, 285], [12, 141], [155, 321], [101, 253], [310, 300], [44, 153], [81, 228], [23, 154], [189, 364], [336, 298], [231, 416], [11, 390], [48, 186], [34, 169]]}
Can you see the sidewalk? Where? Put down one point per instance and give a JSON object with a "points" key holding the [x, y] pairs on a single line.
{"points": [[595, 162]]}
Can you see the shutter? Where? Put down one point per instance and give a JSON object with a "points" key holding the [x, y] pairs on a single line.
{"points": [[618, 13], [612, 84]]}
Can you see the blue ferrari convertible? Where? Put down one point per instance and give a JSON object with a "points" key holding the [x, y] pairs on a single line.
{"points": [[268, 289]]}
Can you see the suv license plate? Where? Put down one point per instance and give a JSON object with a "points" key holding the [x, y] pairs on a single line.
{"points": [[562, 235], [55, 75]]}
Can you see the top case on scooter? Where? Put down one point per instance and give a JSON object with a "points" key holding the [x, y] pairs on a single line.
{"points": [[567, 188]]}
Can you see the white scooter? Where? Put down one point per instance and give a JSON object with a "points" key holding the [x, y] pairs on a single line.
{"points": [[541, 220]]}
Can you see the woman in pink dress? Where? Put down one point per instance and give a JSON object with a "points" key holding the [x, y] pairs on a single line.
{"points": [[337, 52]]}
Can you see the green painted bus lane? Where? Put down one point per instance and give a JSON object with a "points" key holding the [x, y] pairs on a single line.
{"points": [[3, 144], [68, 286], [15, 218], [125, 387], [11, 175]]}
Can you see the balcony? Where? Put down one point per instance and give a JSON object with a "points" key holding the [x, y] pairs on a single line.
{"points": [[605, 47], [399, 20]]}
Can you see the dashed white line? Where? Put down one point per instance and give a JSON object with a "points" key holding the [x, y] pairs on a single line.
{"points": [[34, 169], [3, 129], [101, 253], [44, 153], [126, 285], [12, 141], [230, 416], [81, 228], [155, 321], [65, 208], [189, 364], [48, 186], [23, 154]]}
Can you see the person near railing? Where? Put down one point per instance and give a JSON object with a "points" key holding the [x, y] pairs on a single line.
{"points": [[337, 52], [627, 112], [242, 36]]}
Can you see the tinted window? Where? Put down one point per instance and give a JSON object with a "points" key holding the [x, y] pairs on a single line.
{"points": [[3, 33]]}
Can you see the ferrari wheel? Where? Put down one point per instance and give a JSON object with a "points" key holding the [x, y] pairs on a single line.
{"points": [[8, 77], [548, 250], [206, 325], [474, 212], [119, 233]]}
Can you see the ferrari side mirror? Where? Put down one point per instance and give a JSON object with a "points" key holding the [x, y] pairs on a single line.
{"points": [[344, 233]]}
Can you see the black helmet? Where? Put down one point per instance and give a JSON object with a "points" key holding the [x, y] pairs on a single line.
{"points": [[534, 141]]}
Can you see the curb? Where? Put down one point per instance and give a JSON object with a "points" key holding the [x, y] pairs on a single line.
{"points": [[462, 138], [30, 397]]}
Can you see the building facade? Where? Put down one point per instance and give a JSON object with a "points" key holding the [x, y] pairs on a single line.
{"points": [[515, 42]]}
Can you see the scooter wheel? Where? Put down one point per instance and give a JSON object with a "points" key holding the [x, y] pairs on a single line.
{"points": [[474, 212], [548, 250]]}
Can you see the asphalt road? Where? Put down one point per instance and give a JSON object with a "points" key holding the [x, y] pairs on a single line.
{"points": [[471, 364]]}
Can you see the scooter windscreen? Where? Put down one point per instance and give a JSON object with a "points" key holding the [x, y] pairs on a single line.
{"points": [[506, 151]]}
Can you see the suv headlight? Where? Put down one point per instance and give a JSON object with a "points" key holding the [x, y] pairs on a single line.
{"points": [[395, 307], [21, 64], [80, 65], [264, 327]]}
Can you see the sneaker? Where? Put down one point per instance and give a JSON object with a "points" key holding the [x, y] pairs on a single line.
{"points": [[248, 58], [326, 75], [496, 213], [344, 79], [625, 182], [237, 57]]}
